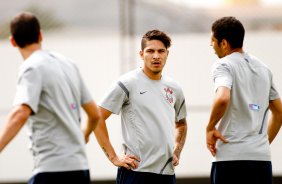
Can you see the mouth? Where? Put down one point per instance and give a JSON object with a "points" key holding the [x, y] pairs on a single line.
{"points": [[156, 63]]}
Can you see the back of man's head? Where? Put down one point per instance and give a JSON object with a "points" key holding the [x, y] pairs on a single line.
{"points": [[230, 29], [25, 29]]}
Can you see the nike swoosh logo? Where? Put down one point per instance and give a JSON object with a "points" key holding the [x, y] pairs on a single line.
{"points": [[142, 92]]}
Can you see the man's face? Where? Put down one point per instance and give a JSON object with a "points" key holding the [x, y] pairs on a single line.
{"points": [[217, 46], [154, 56]]}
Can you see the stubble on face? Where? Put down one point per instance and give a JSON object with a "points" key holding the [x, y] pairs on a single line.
{"points": [[219, 51]]}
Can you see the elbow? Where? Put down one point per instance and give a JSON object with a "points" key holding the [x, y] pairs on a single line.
{"points": [[21, 113], [96, 117], [222, 98], [223, 102], [95, 120]]}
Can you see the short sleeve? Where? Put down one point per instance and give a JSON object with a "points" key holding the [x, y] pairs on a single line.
{"points": [[273, 94], [114, 99], [222, 75], [180, 107], [85, 94], [29, 88]]}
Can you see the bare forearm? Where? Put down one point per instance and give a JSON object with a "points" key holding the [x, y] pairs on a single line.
{"points": [[273, 128], [216, 114], [93, 117], [15, 121], [181, 132], [220, 104], [102, 137], [218, 110], [275, 121], [89, 126]]}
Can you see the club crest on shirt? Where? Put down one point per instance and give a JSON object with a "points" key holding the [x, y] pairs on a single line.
{"points": [[168, 94], [73, 106]]}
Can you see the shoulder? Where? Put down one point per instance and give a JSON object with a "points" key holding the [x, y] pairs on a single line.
{"points": [[129, 77], [67, 64], [62, 58], [223, 63], [256, 60], [34, 62], [125, 81], [171, 82]]}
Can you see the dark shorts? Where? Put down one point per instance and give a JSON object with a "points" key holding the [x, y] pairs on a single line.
{"points": [[241, 172], [67, 177], [125, 176]]}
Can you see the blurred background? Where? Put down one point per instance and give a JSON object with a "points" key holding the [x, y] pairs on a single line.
{"points": [[103, 37]]}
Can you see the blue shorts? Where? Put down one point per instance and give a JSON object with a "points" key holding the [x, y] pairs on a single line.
{"points": [[125, 176], [68, 177], [241, 172]]}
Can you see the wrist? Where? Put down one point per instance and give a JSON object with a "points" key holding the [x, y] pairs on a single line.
{"points": [[177, 150], [112, 157], [210, 128]]}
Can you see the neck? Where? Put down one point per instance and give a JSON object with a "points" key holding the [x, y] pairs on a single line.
{"points": [[29, 49], [240, 50], [153, 75]]}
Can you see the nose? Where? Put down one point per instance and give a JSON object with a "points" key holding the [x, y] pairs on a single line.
{"points": [[211, 43], [156, 55]]}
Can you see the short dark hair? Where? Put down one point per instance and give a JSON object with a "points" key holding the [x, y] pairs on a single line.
{"points": [[156, 35], [230, 29], [25, 29]]}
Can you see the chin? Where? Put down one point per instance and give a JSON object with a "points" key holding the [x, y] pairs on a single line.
{"points": [[156, 71]]}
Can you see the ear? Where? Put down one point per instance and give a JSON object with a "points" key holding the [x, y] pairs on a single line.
{"points": [[13, 42], [40, 37], [141, 53], [224, 43]]}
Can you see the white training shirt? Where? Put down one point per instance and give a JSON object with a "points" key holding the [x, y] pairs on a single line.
{"points": [[244, 123], [149, 110], [52, 87]]}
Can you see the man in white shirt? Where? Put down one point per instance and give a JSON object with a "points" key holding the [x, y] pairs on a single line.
{"points": [[50, 93], [244, 92], [153, 114]]}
